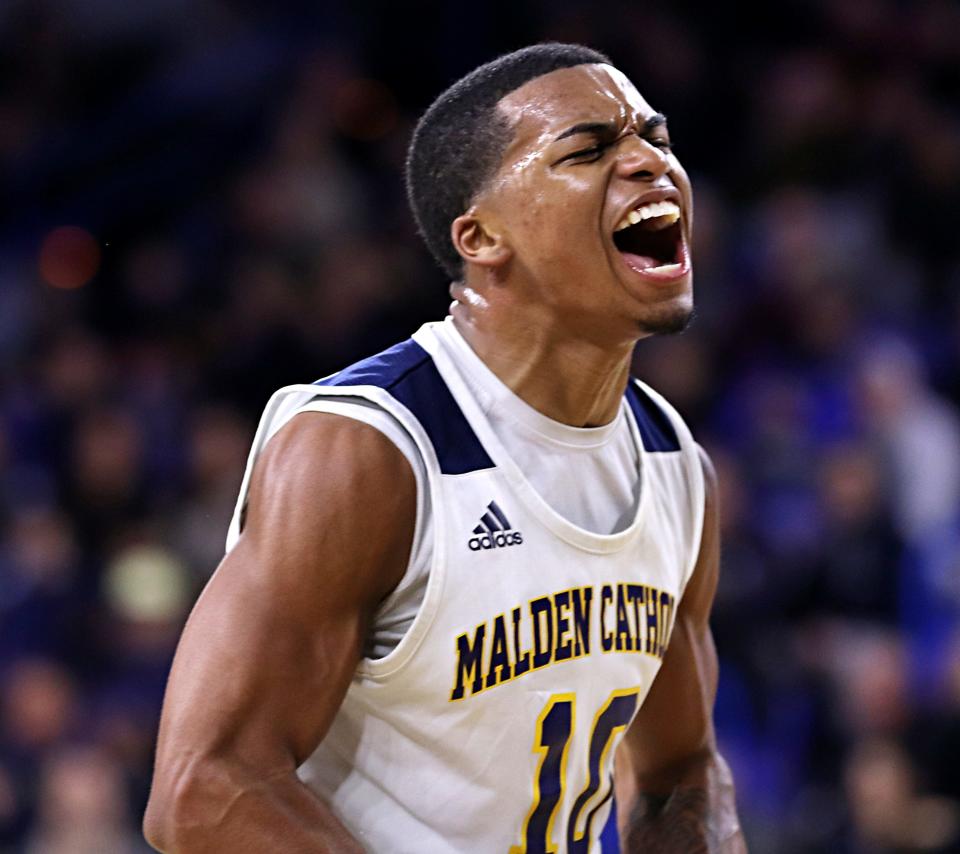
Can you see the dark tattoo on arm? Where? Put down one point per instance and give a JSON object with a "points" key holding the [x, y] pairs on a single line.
{"points": [[676, 824]]}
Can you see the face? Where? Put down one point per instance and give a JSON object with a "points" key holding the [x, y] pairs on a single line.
{"points": [[591, 204]]}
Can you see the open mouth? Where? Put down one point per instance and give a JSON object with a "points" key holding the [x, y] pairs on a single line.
{"points": [[650, 239]]}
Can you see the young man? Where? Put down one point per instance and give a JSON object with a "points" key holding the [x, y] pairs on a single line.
{"points": [[465, 573]]}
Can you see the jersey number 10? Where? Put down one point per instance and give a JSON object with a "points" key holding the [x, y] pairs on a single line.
{"points": [[554, 728]]}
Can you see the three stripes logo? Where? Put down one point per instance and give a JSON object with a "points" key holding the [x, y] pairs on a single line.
{"points": [[494, 531]]}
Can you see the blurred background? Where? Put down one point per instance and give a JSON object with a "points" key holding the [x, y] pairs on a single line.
{"points": [[202, 201]]}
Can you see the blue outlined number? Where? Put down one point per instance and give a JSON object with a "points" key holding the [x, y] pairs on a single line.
{"points": [[555, 726], [552, 742]]}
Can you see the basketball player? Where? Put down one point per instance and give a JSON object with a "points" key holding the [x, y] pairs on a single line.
{"points": [[468, 572]]}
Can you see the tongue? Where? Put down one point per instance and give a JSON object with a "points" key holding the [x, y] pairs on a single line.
{"points": [[641, 262]]}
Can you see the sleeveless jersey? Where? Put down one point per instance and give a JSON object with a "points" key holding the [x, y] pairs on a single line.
{"points": [[493, 724]]}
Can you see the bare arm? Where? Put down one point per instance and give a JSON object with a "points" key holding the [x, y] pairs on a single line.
{"points": [[270, 648], [675, 793]]}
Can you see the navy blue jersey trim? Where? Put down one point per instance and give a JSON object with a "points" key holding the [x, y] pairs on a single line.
{"points": [[656, 431], [408, 373]]}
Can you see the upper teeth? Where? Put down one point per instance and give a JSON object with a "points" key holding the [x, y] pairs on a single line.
{"points": [[670, 212]]}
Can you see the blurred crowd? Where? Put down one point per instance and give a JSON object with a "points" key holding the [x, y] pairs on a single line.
{"points": [[203, 202]]}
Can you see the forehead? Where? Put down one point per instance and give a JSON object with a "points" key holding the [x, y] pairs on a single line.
{"points": [[546, 106]]}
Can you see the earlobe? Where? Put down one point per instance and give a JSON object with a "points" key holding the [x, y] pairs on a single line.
{"points": [[477, 243]]}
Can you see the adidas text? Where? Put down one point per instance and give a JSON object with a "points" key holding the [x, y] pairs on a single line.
{"points": [[495, 541]]}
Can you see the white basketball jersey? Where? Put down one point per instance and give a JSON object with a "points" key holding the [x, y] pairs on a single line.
{"points": [[492, 725]]}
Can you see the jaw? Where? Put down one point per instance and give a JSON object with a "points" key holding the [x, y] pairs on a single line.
{"points": [[667, 318]]}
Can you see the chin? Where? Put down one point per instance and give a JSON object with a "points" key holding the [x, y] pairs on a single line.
{"points": [[669, 319]]}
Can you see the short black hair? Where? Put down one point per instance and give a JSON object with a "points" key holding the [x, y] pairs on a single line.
{"points": [[459, 141]]}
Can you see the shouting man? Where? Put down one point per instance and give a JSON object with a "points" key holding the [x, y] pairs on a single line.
{"points": [[465, 601]]}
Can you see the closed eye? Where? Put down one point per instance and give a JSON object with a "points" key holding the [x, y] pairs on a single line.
{"points": [[661, 143], [595, 152]]}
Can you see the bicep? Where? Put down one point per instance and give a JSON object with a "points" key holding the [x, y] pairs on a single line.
{"points": [[269, 650], [675, 724]]}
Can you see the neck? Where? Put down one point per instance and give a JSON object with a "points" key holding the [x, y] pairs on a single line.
{"points": [[566, 375]]}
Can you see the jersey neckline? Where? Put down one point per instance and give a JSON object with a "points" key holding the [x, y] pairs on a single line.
{"points": [[493, 393], [431, 337]]}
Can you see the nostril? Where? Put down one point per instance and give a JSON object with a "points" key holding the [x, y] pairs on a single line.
{"points": [[642, 174]]}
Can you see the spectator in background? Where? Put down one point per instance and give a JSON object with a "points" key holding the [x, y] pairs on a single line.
{"points": [[887, 811], [919, 433], [82, 806], [39, 709], [856, 571]]}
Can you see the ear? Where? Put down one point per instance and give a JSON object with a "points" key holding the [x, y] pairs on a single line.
{"points": [[478, 242]]}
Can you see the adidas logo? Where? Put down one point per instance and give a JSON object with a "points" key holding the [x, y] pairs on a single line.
{"points": [[494, 531]]}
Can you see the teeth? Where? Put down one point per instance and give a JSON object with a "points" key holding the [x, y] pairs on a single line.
{"points": [[667, 212], [664, 269]]}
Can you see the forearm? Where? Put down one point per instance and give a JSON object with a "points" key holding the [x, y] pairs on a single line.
{"points": [[215, 811], [697, 815]]}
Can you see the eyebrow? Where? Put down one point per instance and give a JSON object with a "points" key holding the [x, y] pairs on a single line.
{"points": [[611, 128]]}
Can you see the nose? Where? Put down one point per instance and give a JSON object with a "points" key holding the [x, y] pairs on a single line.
{"points": [[638, 158]]}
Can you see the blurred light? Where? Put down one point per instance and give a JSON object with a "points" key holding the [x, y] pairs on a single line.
{"points": [[69, 257], [147, 583], [364, 109]]}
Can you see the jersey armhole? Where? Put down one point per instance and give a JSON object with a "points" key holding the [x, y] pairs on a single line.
{"points": [[281, 406], [699, 507], [690, 451], [291, 401], [369, 413]]}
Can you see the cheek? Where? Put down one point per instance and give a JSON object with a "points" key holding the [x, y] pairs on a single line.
{"points": [[555, 217]]}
